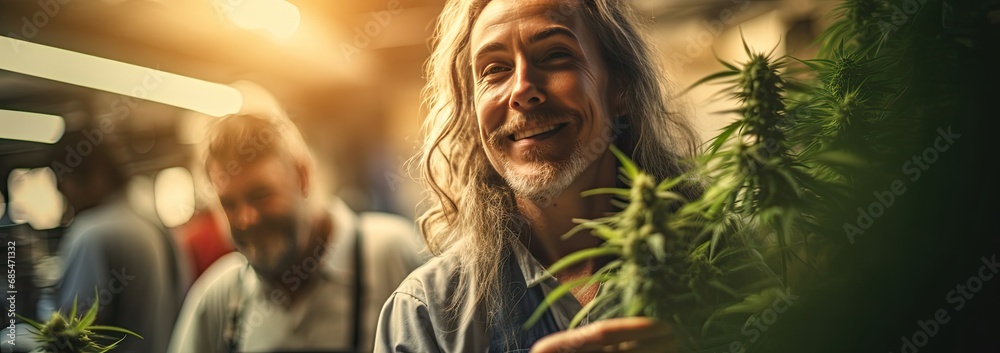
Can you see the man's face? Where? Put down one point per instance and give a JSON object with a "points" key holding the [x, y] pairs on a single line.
{"points": [[265, 205], [541, 94]]}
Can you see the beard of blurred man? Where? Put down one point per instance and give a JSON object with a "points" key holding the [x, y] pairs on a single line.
{"points": [[270, 246]]}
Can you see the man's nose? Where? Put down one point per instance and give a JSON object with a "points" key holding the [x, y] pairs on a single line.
{"points": [[246, 217], [526, 93]]}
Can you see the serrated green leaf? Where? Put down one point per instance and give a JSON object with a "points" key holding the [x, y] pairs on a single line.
{"points": [[709, 78], [31, 322], [92, 312], [115, 329], [553, 296], [587, 309], [605, 191], [578, 256], [721, 139], [628, 167]]}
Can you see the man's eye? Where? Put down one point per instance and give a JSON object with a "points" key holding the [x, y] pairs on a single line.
{"points": [[260, 196], [494, 69], [558, 55]]}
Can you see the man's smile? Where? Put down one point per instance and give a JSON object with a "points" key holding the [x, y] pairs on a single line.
{"points": [[538, 133]]}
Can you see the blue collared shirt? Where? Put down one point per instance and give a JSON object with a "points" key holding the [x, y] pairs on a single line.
{"points": [[429, 313]]}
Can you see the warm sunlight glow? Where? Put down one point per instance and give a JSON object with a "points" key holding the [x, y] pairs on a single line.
{"points": [[278, 17]]}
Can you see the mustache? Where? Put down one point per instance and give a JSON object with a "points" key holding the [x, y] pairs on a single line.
{"points": [[519, 122], [280, 225]]}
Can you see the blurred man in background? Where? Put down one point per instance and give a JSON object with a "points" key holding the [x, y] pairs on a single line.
{"points": [[131, 261], [309, 275]]}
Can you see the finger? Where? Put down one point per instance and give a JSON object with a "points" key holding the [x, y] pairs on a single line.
{"points": [[662, 344], [614, 331], [606, 335]]}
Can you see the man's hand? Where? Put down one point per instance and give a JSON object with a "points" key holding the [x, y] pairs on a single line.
{"points": [[633, 334]]}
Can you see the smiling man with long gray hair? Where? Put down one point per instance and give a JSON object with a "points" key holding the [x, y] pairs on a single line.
{"points": [[525, 99]]}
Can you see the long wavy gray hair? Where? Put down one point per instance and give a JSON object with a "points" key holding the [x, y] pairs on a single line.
{"points": [[472, 213]]}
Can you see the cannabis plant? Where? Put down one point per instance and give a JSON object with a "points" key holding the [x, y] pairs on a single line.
{"points": [[813, 138], [660, 268], [74, 334], [759, 172], [708, 265]]}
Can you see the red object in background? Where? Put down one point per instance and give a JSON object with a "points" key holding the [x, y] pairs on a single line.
{"points": [[204, 241]]}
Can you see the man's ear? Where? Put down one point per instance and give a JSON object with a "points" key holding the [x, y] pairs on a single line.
{"points": [[303, 173]]}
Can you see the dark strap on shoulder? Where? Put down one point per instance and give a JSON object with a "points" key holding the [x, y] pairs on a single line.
{"points": [[237, 303], [358, 283]]}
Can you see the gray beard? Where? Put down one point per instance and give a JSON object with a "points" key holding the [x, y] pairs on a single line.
{"points": [[551, 179]]}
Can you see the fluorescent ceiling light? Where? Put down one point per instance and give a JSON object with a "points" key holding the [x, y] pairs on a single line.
{"points": [[117, 77], [34, 127]]}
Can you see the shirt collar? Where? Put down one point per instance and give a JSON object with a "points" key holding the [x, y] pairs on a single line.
{"points": [[533, 271], [535, 275]]}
